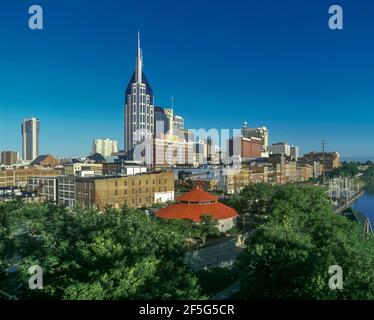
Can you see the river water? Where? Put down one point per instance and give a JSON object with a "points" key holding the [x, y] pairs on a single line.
{"points": [[365, 204]]}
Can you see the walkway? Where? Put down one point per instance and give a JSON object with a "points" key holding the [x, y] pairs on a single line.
{"points": [[217, 255], [349, 203], [228, 292]]}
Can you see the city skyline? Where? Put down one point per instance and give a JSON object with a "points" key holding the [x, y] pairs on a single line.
{"points": [[79, 94]]}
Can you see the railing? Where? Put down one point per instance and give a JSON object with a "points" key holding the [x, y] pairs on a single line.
{"points": [[348, 203]]}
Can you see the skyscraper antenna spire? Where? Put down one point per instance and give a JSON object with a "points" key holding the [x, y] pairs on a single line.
{"points": [[139, 62], [138, 39]]}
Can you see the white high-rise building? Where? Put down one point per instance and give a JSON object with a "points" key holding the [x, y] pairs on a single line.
{"points": [[30, 138], [139, 106], [280, 148], [105, 147]]}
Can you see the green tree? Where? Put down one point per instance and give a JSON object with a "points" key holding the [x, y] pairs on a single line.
{"points": [[289, 255], [118, 254], [207, 227], [251, 203]]}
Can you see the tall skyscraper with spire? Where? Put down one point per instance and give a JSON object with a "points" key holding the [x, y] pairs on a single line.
{"points": [[139, 106]]}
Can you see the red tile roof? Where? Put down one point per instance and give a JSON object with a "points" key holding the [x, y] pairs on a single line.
{"points": [[197, 195], [194, 211]]}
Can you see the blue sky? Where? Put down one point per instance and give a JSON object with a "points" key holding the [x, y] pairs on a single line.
{"points": [[272, 63]]}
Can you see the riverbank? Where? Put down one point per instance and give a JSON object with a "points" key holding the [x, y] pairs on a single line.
{"points": [[365, 204], [350, 202]]}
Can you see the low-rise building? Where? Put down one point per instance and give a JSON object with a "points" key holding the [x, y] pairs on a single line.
{"points": [[266, 170], [136, 191], [44, 187], [305, 172], [285, 171], [234, 180], [46, 161], [197, 203], [18, 177], [315, 167], [123, 168], [330, 160], [72, 169], [66, 191]]}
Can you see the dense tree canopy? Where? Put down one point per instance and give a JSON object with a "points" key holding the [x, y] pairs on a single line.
{"points": [[119, 254], [251, 203], [299, 238], [351, 169], [347, 169], [293, 240], [368, 175]]}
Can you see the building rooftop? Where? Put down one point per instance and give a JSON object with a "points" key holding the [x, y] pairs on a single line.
{"points": [[41, 158], [195, 204], [120, 176], [197, 195]]}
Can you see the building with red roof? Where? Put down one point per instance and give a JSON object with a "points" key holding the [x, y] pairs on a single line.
{"points": [[197, 203]]}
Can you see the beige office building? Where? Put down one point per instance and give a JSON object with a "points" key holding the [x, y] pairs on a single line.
{"points": [[133, 191], [19, 177], [105, 147]]}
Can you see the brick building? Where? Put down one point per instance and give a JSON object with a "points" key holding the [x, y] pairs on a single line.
{"points": [[47, 161], [247, 148], [19, 177], [330, 160], [134, 190], [9, 157], [43, 187]]}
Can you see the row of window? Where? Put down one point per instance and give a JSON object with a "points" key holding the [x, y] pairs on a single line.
{"points": [[116, 193], [41, 182], [143, 118], [143, 98], [143, 127], [66, 195], [142, 88], [116, 184], [139, 201], [66, 187]]}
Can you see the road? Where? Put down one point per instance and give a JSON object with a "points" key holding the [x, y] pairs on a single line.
{"points": [[216, 255]]}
